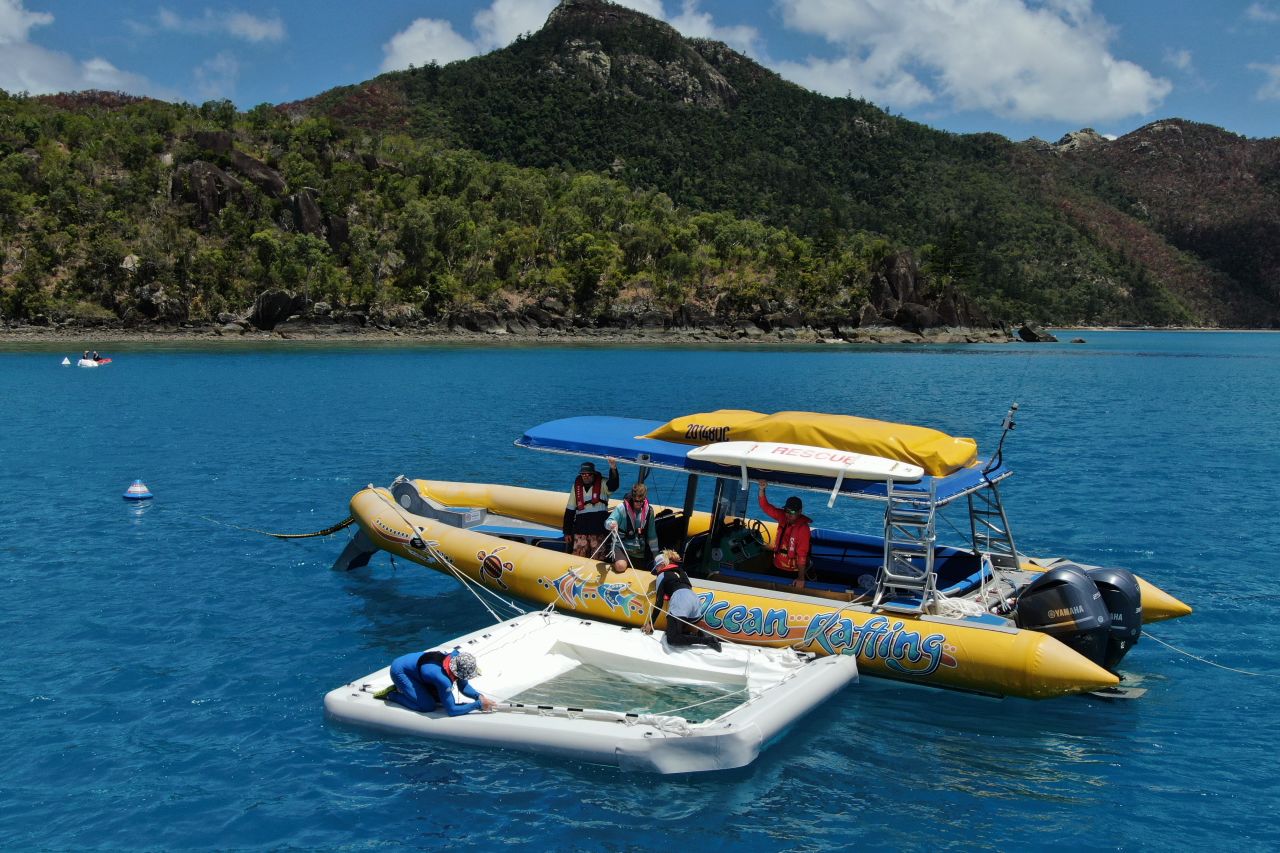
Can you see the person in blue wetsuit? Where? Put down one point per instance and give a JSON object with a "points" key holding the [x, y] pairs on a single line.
{"points": [[425, 680]]}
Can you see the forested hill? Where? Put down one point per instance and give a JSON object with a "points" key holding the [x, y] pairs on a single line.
{"points": [[1074, 232], [606, 171]]}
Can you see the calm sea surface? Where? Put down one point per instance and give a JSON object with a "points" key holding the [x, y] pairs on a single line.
{"points": [[162, 672]]}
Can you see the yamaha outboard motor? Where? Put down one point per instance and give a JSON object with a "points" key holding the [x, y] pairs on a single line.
{"points": [[1123, 598], [1065, 603]]}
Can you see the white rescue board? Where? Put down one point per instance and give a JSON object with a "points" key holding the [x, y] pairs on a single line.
{"points": [[806, 459]]}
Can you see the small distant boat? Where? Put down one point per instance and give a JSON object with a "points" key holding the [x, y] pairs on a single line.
{"points": [[767, 690], [91, 362]]}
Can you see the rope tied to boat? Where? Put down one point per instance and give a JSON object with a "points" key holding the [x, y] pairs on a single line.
{"points": [[1172, 647], [439, 556], [328, 531]]}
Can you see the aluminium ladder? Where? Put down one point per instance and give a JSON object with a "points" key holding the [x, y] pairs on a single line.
{"points": [[907, 581], [990, 528]]}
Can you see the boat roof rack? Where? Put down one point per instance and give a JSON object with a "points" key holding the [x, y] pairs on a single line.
{"points": [[623, 438]]}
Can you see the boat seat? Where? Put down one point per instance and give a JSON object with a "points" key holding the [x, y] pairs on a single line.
{"points": [[758, 577], [669, 526], [846, 559]]}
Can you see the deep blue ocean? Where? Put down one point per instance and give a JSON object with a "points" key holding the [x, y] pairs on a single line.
{"points": [[162, 671]]}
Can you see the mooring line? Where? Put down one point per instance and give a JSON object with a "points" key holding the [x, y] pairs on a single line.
{"points": [[1211, 663], [328, 531]]}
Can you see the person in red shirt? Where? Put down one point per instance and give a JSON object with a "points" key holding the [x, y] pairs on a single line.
{"points": [[791, 542]]}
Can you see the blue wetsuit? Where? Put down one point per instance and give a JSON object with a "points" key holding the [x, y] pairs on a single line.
{"points": [[427, 687]]}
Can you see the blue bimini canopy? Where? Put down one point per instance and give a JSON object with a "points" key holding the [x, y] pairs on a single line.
{"points": [[622, 438]]}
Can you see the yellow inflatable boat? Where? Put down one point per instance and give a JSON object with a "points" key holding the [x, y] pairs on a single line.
{"points": [[981, 617]]}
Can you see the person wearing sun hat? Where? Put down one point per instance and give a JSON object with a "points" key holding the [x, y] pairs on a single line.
{"points": [[673, 593], [791, 542], [587, 508], [424, 681]]}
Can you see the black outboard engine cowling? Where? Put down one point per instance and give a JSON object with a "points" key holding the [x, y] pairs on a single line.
{"points": [[1123, 598], [1065, 603]]}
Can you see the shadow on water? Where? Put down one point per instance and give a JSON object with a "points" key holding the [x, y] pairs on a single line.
{"points": [[403, 606]]}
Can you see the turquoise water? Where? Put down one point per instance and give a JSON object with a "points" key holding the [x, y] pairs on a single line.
{"points": [[162, 674]]}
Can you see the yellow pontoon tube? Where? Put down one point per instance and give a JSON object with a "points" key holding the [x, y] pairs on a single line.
{"points": [[925, 650]]}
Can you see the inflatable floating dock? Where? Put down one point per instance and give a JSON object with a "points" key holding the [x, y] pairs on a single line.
{"points": [[764, 691]]}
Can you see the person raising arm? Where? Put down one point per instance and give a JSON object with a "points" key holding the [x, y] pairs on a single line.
{"points": [[791, 542]]}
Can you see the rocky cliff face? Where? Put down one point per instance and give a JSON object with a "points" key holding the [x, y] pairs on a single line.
{"points": [[1210, 193], [624, 53]]}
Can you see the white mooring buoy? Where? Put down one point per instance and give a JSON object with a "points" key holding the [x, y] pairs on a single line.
{"points": [[138, 491]]}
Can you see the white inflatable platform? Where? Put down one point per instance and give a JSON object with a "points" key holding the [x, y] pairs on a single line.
{"points": [[769, 689]]}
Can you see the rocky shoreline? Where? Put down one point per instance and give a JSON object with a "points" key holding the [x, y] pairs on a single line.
{"points": [[91, 336], [283, 315]]}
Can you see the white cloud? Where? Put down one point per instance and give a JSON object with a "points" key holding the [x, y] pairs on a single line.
{"points": [[1270, 88], [16, 22], [1044, 61], [27, 67], [1179, 59], [429, 40], [250, 28], [652, 8], [424, 41], [1262, 13], [498, 25], [217, 77], [234, 23], [695, 24]]}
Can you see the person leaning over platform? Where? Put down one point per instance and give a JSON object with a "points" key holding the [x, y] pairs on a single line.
{"points": [[632, 520], [791, 542], [588, 507], [424, 681], [673, 593]]}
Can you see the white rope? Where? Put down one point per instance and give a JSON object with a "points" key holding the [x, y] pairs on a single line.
{"points": [[671, 725], [1172, 647], [613, 538], [742, 689], [472, 585], [417, 532], [945, 605]]}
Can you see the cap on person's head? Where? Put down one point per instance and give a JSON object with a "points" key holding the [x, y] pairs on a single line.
{"points": [[587, 468], [793, 504], [465, 667], [659, 563]]}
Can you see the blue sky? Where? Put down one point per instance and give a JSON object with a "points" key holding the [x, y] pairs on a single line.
{"points": [[1016, 67]]}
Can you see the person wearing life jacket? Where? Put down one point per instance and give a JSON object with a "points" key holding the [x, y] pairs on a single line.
{"points": [[673, 593], [425, 680], [791, 541], [587, 509], [632, 520]]}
